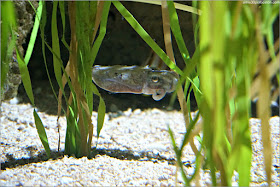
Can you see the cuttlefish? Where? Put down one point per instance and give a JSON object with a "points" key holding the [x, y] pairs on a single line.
{"points": [[135, 79]]}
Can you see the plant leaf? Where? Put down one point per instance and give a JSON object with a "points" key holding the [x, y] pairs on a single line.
{"points": [[34, 32], [25, 77], [55, 45], [42, 133]]}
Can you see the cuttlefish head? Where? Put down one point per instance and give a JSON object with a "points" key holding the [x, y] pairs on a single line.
{"points": [[160, 82]]}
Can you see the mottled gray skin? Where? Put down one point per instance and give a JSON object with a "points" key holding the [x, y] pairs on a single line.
{"points": [[135, 79]]}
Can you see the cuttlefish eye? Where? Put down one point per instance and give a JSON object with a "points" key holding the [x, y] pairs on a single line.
{"points": [[155, 79]]}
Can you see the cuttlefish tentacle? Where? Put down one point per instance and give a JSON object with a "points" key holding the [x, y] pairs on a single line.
{"points": [[158, 95]]}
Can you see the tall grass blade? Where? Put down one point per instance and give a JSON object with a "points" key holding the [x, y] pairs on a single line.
{"points": [[62, 13], [55, 46], [34, 32], [206, 77], [25, 77], [166, 30], [103, 23], [102, 32], [42, 133], [178, 157], [101, 111], [98, 18], [72, 126], [263, 107], [175, 26]]}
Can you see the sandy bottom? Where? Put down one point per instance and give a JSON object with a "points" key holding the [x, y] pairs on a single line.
{"points": [[133, 149]]}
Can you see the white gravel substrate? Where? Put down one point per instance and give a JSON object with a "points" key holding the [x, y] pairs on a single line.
{"points": [[134, 149]]}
